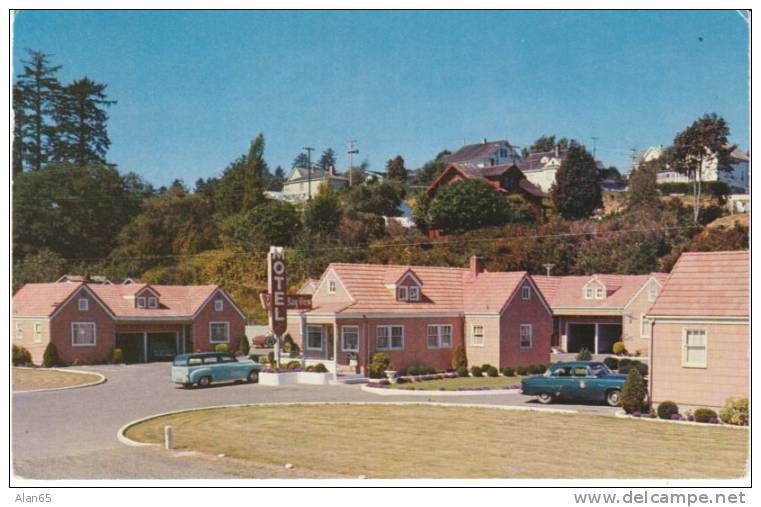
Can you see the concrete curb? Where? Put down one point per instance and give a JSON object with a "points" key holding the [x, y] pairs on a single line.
{"points": [[389, 391], [101, 380], [124, 439], [624, 415]]}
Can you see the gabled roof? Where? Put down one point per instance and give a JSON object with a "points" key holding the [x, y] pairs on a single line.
{"points": [[476, 151], [488, 292], [534, 160], [309, 287], [302, 174], [708, 284], [487, 174], [41, 299], [567, 291]]}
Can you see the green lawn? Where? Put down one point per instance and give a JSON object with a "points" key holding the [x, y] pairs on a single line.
{"points": [[452, 384], [27, 379], [428, 441]]}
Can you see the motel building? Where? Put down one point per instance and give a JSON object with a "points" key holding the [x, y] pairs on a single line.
{"points": [[418, 315]]}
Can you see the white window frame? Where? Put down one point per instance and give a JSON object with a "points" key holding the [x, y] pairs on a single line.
{"points": [[589, 292], [530, 336], [83, 307], [401, 293], [439, 328], [644, 327], [140, 302], [322, 338], [153, 302], [227, 331], [413, 293], [390, 333], [652, 293], [600, 292], [526, 293], [19, 331], [331, 286], [94, 334], [219, 304], [353, 329], [473, 335], [37, 336], [685, 331]]}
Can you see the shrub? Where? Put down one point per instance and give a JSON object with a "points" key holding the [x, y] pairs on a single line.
{"points": [[485, 367], [492, 371], [243, 346], [459, 358], [271, 357], [476, 371], [634, 392], [623, 362], [293, 365], [704, 415], [117, 356], [412, 371], [611, 362], [508, 371], [462, 372], [20, 356], [50, 356], [379, 362], [320, 368], [638, 365], [584, 355], [619, 348], [536, 369], [221, 347], [667, 409], [521, 370], [735, 411], [295, 349]]}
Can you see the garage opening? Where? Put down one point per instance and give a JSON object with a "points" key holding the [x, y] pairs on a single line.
{"points": [[607, 335], [132, 347], [581, 336], [162, 346]]}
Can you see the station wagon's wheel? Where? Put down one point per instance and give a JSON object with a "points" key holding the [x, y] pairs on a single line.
{"points": [[204, 382], [253, 376], [613, 398], [545, 398]]}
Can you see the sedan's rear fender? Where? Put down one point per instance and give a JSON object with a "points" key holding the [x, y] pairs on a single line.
{"points": [[196, 375]]}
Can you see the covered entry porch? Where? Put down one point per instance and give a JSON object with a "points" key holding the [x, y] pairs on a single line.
{"points": [[150, 342], [332, 342], [596, 334]]}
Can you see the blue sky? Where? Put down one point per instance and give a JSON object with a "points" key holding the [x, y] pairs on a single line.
{"points": [[193, 88]]}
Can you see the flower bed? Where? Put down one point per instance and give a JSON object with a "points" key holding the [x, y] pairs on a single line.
{"points": [[449, 381]]}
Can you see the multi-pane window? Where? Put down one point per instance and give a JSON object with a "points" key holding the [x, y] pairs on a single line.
{"points": [[314, 337], [589, 293], [84, 304], [652, 293], [19, 331], [401, 293], [389, 338], [141, 302], [526, 292], [219, 332], [350, 338], [477, 336], [83, 334], [219, 304], [413, 293], [644, 325], [526, 336], [331, 287], [600, 293], [37, 332], [694, 351], [153, 302], [440, 336]]}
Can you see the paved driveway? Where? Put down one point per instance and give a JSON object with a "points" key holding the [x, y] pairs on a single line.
{"points": [[71, 434]]}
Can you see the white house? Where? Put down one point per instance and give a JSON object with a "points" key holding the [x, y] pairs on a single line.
{"points": [[485, 154], [300, 185]]}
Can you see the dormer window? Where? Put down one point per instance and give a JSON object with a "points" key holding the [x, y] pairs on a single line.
{"points": [[331, 286], [413, 293], [589, 293], [652, 293], [600, 293], [526, 292], [84, 304], [401, 294], [153, 302], [219, 304]]}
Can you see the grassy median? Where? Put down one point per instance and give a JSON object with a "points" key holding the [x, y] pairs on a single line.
{"points": [[452, 384], [425, 441], [25, 379]]}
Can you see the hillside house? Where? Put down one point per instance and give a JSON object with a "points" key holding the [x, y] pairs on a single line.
{"points": [[300, 185], [485, 154]]}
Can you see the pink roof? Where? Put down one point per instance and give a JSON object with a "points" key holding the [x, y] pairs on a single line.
{"points": [[490, 291], [707, 284], [567, 291], [42, 299]]}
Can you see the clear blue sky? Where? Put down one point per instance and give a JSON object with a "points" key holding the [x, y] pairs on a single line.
{"points": [[193, 88]]}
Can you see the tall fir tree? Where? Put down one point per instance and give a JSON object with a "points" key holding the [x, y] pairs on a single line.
{"points": [[327, 159], [35, 94], [576, 193], [81, 123], [395, 169]]}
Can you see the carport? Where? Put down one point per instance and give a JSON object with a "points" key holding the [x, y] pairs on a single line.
{"points": [[598, 338], [152, 343]]}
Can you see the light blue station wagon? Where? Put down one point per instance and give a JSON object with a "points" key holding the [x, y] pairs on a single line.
{"points": [[203, 368]]}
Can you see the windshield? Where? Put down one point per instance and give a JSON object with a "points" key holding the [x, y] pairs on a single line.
{"points": [[599, 369]]}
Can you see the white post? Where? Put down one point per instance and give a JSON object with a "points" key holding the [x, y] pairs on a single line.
{"points": [[277, 351], [145, 346], [168, 437], [597, 333], [335, 350]]}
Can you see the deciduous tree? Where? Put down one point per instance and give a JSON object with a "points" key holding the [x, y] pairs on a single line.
{"points": [[576, 193]]}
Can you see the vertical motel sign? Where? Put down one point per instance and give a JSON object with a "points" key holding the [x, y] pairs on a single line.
{"points": [[277, 286]]}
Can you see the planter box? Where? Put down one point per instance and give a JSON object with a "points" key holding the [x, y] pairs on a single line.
{"points": [[296, 377], [310, 377]]}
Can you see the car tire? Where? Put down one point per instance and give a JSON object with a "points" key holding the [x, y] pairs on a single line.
{"points": [[204, 382], [253, 377], [545, 398], [613, 398], [187, 385]]}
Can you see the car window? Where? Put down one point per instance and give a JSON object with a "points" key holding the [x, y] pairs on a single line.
{"points": [[563, 371], [227, 359], [210, 360], [580, 371], [194, 360]]}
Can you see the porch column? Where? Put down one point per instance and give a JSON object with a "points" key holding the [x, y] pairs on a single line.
{"points": [[145, 346], [183, 338], [303, 319], [597, 335], [335, 350]]}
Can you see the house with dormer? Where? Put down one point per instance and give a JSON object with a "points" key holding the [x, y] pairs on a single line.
{"points": [[418, 315], [86, 321], [485, 154]]}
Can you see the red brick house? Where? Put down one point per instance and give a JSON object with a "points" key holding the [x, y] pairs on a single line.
{"points": [[148, 322], [418, 315]]}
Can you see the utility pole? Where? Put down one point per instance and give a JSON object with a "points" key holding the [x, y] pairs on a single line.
{"points": [[309, 172], [351, 152], [594, 146], [633, 149], [548, 267]]}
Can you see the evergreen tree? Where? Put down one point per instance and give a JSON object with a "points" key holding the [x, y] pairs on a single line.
{"points": [[301, 161], [576, 193], [467, 205], [323, 213], [277, 180], [327, 159], [432, 168], [643, 187], [634, 392], [82, 136], [34, 97], [395, 169], [242, 185]]}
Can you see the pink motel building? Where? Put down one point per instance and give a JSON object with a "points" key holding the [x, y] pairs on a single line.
{"points": [[418, 315]]}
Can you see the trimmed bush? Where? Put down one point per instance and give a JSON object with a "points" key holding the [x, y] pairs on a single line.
{"points": [[492, 371], [521, 370], [459, 358], [320, 368], [379, 362], [462, 372], [624, 362], [20, 356], [638, 365], [735, 411], [485, 367], [117, 356], [476, 371], [704, 415], [584, 355], [243, 346], [508, 371], [611, 362], [271, 357], [619, 348], [293, 365], [667, 409], [536, 369], [50, 356], [221, 347], [633, 393]]}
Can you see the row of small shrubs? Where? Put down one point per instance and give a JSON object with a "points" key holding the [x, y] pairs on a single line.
{"points": [[317, 368], [735, 412], [419, 370], [624, 365]]}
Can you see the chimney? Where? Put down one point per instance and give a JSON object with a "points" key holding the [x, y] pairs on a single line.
{"points": [[331, 170], [86, 278], [476, 266]]}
